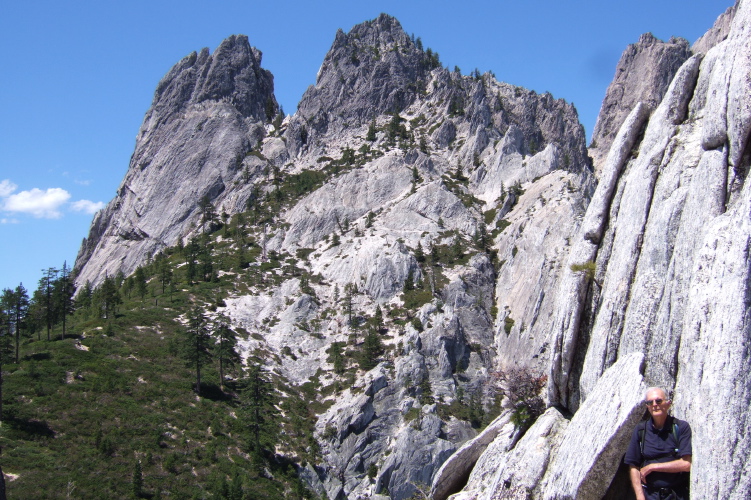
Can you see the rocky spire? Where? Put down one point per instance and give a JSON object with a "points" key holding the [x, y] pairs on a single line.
{"points": [[643, 74], [717, 33], [376, 68], [208, 111]]}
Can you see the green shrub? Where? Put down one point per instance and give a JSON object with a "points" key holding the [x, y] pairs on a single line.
{"points": [[588, 268], [411, 414], [508, 324]]}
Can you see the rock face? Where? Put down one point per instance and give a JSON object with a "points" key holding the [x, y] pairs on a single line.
{"points": [[207, 113], [717, 33], [464, 211], [665, 230], [642, 75]]}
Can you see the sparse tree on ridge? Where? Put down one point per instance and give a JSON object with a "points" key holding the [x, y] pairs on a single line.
{"points": [[64, 290], [21, 308], [46, 284]]}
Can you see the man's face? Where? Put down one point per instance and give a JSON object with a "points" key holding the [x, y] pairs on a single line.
{"points": [[657, 403]]}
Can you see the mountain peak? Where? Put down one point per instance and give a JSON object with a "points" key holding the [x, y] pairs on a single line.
{"points": [[232, 73], [373, 69]]}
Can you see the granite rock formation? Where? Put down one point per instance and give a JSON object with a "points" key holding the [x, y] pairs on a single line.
{"points": [[642, 76], [207, 113], [603, 286], [659, 269]]}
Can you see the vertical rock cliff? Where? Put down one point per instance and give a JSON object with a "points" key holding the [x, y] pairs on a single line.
{"points": [[662, 299], [207, 113]]}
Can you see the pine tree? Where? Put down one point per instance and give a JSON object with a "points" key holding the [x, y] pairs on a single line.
{"points": [[419, 253], [476, 410], [236, 487], [64, 291], [426, 391], [226, 346], [206, 262], [6, 346], [83, 300], [165, 272], [109, 297], [137, 481], [409, 283], [195, 343], [208, 213], [46, 286], [259, 412], [128, 285], [21, 308], [378, 318], [347, 299], [371, 135], [140, 281], [434, 257], [192, 250], [336, 357], [457, 251], [371, 350]]}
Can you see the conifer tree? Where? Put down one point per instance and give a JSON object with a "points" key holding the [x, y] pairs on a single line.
{"points": [[46, 284], [371, 350], [165, 272], [20, 309], [5, 349], [83, 300], [426, 391], [63, 292], [336, 357], [226, 346], [192, 250], [137, 480], [371, 135], [109, 297], [347, 299], [419, 253], [259, 412], [378, 318], [195, 343], [140, 282], [208, 213]]}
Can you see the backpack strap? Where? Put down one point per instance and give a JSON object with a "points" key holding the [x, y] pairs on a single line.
{"points": [[641, 430], [676, 436], [676, 432]]}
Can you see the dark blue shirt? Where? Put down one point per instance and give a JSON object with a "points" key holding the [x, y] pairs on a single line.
{"points": [[660, 446]]}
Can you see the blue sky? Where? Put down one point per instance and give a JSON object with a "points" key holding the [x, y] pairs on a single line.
{"points": [[77, 78]]}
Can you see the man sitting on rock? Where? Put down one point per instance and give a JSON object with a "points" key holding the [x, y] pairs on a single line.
{"points": [[659, 454]]}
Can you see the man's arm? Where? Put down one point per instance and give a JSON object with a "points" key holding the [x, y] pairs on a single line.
{"points": [[683, 464], [635, 475]]}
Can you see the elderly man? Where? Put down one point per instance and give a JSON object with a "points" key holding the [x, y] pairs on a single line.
{"points": [[659, 454]]}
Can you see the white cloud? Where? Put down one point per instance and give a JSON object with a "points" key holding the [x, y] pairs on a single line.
{"points": [[84, 182], [8, 221], [40, 204], [6, 188], [87, 206]]}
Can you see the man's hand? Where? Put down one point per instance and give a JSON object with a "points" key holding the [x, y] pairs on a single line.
{"points": [[644, 472]]}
